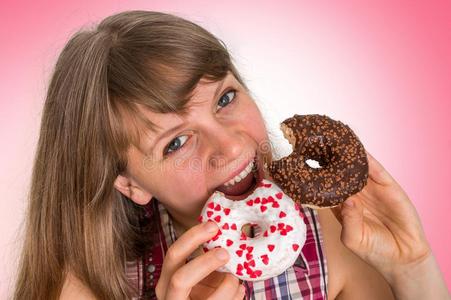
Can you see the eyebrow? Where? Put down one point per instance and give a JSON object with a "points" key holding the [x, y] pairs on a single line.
{"points": [[173, 129]]}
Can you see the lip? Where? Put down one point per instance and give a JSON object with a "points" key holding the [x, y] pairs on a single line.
{"points": [[241, 168]]}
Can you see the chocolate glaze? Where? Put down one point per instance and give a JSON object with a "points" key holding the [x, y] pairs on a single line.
{"points": [[341, 155]]}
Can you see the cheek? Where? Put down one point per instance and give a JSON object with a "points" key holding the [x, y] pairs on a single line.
{"points": [[187, 180], [255, 124]]}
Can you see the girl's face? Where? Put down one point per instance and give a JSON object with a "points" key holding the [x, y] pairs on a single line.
{"points": [[190, 156]]}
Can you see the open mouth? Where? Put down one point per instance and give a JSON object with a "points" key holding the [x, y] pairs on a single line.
{"points": [[249, 177]]}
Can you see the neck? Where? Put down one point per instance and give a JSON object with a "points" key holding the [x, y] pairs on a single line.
{"points": [[181, 223]]}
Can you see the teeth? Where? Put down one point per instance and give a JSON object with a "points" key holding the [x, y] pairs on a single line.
{"points": [[240, 176]]}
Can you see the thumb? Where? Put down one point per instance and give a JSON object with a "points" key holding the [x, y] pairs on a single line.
{"points": [[352, 222]]}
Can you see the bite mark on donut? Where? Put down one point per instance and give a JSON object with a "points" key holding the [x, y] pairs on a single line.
{"points": [[335, 147]]}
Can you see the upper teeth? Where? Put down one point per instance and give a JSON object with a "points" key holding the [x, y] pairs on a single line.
{"points": [[240, 176]]}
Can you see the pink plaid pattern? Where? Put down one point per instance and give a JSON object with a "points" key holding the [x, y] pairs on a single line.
{"points": [[306, 279]]}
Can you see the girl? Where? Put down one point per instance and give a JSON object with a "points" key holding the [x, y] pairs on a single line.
{"points": [[145, 116]]}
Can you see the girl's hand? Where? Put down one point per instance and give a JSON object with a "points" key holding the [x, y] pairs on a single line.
{"points": [[196, 279], [381, 225]]}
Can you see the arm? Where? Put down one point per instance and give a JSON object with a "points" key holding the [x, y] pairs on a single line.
{"points": [[349, 277], [422, 280]]}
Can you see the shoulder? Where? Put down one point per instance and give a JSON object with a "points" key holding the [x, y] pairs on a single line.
{"points": [[349, 277], [73, 289]]}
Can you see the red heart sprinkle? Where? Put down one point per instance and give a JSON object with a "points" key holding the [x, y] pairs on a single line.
{"points": [[275, 204], [280, 226], [252, 263], [243, 246], [209, 213], [239, 252], [271, 199], [257, 200], [225, 226], [282, 214], [264, 200], [295, 247], [250, 248], [250, 202], [218, 207], [272, 228], [279, 195], [283, 232], [249, 256], [229, 242], [258, 273], [211, 205], [233, 227], [265, 234], [265, 259], [217, 219], [243, 236], [227, 211], [263, 208], [270, 247], [288, 228]]}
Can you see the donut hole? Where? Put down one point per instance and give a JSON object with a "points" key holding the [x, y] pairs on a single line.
{"points": [[314, 164], [317, 152], [251, 230]]}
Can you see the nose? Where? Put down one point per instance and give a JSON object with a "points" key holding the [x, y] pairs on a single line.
{"points": [[226, 143]]}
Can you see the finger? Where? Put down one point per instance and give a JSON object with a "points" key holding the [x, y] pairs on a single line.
{"points": [[228, 288], [352, 221], [201, 291], [185, 278], [213, 279], [183, 247], [377, 172]]}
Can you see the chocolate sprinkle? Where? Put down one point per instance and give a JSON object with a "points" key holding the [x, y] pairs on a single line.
{"points": [[342, 158]]}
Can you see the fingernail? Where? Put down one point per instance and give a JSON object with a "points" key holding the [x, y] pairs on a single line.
{"points": [[222, 254], [349, 203], [211, 226]]}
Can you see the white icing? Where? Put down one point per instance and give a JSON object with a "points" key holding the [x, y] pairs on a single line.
{"points": [[284, 253]]}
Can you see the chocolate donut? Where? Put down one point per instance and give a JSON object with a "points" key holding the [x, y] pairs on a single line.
{"points": [[343, 164]]}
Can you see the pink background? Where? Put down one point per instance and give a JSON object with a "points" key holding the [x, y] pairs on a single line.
{"points": [[383, 67]]}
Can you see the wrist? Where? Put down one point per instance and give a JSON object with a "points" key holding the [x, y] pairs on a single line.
{"points": [[405, 271], [421, 279]]}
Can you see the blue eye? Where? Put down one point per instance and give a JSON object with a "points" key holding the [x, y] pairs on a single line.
{"points": [[226, 99], [175, 144]]}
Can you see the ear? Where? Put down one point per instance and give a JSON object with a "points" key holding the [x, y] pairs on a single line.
{"points": [[132, 191]]}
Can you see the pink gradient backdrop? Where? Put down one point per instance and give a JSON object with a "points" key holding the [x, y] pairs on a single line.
{"points": [[383, 67]]}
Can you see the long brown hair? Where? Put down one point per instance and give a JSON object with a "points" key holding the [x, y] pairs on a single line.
{"points": [[76, 221]]}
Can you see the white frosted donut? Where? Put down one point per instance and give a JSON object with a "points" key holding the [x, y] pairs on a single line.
{"points": [[282, 231]]}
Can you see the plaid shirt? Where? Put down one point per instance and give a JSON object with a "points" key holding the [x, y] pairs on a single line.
{"points": [[306, 279]]}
